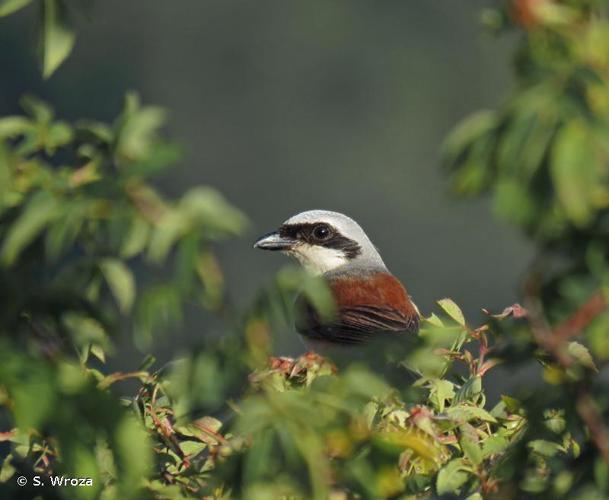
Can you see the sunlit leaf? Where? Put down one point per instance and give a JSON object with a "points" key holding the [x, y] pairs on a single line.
{"points": [[545, 448], [582, 355], [513, 202], [137, 129], [86, 330], [575, 171], [470, 129], [416, 441], [39, 212], [57, 36], [470, 390], [12, 126], [7, 7], [494, 445], [441, 392], [5, 175], [452, 310], [470, 448], [137, 237], [451, 477], [98, 352], [121, 282], [133, 455], [466, 413], [209, 210]]}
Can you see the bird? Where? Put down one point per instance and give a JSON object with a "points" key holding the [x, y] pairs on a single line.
{"points": [[371, 303]]}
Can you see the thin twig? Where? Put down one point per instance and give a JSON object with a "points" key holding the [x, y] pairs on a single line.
{"points": [[590, 414], [579, 320], [554, 341]]}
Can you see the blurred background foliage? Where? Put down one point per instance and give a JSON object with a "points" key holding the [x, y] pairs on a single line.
{"points": [[106, 254]]}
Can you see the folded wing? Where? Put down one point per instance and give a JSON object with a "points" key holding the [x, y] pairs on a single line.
{"points": [[366, 308]]}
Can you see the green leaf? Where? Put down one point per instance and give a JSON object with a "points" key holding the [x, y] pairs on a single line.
{"points": [[441, 391], [186, 260], [575, 171], [65, 228], [420, 444], [597, 333], [513, 202], [59, 134], [7, 7], [7, 470], [555, 420], [208, 209], [85, 330], [5, 175], [470, 449], [12, 126], [545, 448], [465, 413], [30, 384], [470, 390], [320, 296], [601, 474], [451, 477], [434, 320], [37, 109], [57, 36], [133, 455], [39, 212], [563, 482], [121, 282], [512, 404], [168, 231], [98, 352], [207, 424], [365, 383], [452, 310], [158, 308], [494, 445], [158, 157], [94, 131], [137, 237], [582, 355], [468, 132], [211, 277], [137, 129], [147, 362], [473, 176]]}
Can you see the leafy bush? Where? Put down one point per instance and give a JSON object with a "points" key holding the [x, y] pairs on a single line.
{"points": [[89, 247]]}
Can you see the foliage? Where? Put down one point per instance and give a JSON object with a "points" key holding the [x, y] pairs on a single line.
{"points": [[304, 430], [543, 158], [55, 32], [77, 219], [90, 248]]}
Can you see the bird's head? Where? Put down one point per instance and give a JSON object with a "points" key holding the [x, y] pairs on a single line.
{"points": [[323, 241]]}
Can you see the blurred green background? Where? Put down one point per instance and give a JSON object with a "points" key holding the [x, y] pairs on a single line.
{"points": [[287, 106]]}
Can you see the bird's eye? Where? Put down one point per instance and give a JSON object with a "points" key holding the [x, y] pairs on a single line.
{"points": [[321, 232]]}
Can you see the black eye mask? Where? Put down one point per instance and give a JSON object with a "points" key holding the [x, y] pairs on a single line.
{"points": [[335, 240]]}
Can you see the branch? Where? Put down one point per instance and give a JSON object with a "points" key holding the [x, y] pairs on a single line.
{"points": [[591, 416], [581, 318], [554, 342]]}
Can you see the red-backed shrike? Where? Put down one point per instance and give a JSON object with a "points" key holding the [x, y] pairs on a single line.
{"points": [[370, 301]]}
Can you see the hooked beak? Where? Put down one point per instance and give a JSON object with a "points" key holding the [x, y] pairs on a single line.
{"points": [[273, 241]]}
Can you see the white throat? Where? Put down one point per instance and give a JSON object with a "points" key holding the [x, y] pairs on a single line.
{"points": [[318, 260]]}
